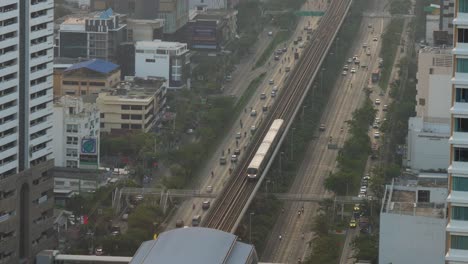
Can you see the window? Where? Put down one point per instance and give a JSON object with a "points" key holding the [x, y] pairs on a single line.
{"points": [[97, 83], [459, 242], [72, 152], [422, 101], [102, 115], [135, 126], [102, 125], [462, 65], [72, 128], [72, 164], [136, 117], [150, 60], [125, 126], [124, 116], [459, 184], [137, 107], [69, 83], [424, 196], [460, 154], [460, 213], [461, 124], [125, 107], [461, 95], [72, 140], [463, 6], [462, 35], [83, 92]]}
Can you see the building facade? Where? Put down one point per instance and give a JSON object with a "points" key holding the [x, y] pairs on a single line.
{"points": [[457, 201], [429, 130], [87, 78], [133, 106], [26, 188], [76, 133], [446, 18], [92, 36], [160, 59]]}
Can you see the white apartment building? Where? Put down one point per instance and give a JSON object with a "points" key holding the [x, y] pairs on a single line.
{"points": [[457, 200], [76, 133], [429, 130], [161, 59], [26, 189]]}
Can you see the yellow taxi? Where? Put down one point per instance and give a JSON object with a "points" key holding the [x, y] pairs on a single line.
{"points": [[352, 223], [356, 208]]}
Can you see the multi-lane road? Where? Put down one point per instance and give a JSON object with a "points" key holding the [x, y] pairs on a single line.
{"points": [[347, 96], [216, 175]]}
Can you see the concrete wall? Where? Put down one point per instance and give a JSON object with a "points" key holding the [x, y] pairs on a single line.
{"points": [[439, 98], [411, 239], [158, 68], [427, 145]]}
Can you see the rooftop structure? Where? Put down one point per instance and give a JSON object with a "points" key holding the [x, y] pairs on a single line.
{"points": [[412, 220], [217, 247]]}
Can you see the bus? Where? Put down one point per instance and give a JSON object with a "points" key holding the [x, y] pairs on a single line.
{"points": [[376, 76]]}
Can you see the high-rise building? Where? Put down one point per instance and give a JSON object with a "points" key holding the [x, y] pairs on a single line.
{"points": [[457, 200], [446, 18], [26, 188]]}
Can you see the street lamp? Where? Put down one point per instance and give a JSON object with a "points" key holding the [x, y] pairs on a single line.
{"points": [[302, 117], [250, 226]]}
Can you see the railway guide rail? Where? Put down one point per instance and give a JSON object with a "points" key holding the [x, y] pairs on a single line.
{"points": [[235, 198]]}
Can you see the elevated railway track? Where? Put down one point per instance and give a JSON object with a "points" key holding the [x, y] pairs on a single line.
{"points": [[228, 209]]}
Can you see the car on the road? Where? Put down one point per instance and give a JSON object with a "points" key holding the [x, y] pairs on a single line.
{"points": [[270, 33], [279, 51], [350, 60], [206, 205], [345, 67], [356, 207], [234, 158], [237, 151], [357, 61], [352, 223], [271, 82], [377, 120], [376, 134], [385, 108], [353, 70], [284, 49], [322, 127], [368, 52], [377, 101], [196, 220], [344, 73], [355, 57], [363, 189], [375, 125], [375, 39], [124, 217], [252, 129], [275, 88], [277, 57], [222, 160], [263, 96], [209, 189], [361, 196], [265, 108], [179, 223], [287, 69], [367, 176], [228, 78], [238, 135], [273, 94], [364, 45], [369, 26], [299, 38], [98, 251], [253, 113]]}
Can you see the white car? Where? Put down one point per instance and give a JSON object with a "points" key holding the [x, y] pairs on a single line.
{"points": [[376, 134], [238, 135], [253, 113], [209, 189], [368, 52], [270, 33], [377, 101], [353, 70], [275, 88], [364, 45], [271, 82], [344, 73], [273, 94], [350, 60], [361, 196]]}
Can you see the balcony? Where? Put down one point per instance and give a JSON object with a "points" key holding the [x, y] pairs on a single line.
{"points": [[43, 99], [42, 59], [458, 197], [9, 70], [8, 166], [41, 139], [9, 56], [48, 17], [42, 112], [461, 19], [9, 42], [41, 46], [47, 124], [41, 6], [459, 138], [40, 73], [49, 30], [460, 49], [42, 152], [458, 167], [9, 152], [459, 255], [460, 78], [42, 86], [11, 27], [457, 226]]}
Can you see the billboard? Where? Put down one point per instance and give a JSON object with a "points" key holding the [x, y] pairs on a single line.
{"points": [[89, 146]]}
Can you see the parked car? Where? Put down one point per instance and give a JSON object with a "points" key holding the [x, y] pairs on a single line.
{"points": [[206, 205]]}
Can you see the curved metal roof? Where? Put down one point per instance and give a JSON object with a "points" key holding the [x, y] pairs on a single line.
{"points": [[97, 65], [195, 245]]}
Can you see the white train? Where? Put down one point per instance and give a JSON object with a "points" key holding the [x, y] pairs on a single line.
{"points": [[264, 151]]}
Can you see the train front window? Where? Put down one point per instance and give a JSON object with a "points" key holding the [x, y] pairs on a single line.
{"points": [[251, 171]]}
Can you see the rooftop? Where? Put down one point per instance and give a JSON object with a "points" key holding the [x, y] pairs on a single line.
{"points": [[421, 197], [157, 43], [136, 89], [96, 65], [214, 14], [199, 246]]}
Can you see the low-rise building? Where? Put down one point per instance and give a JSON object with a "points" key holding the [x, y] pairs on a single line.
{"points": [[71, 181], [212, 29], [76, 133], [144, 29], [412, 221], [132, 106], [87, 78], [161, 59]]}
